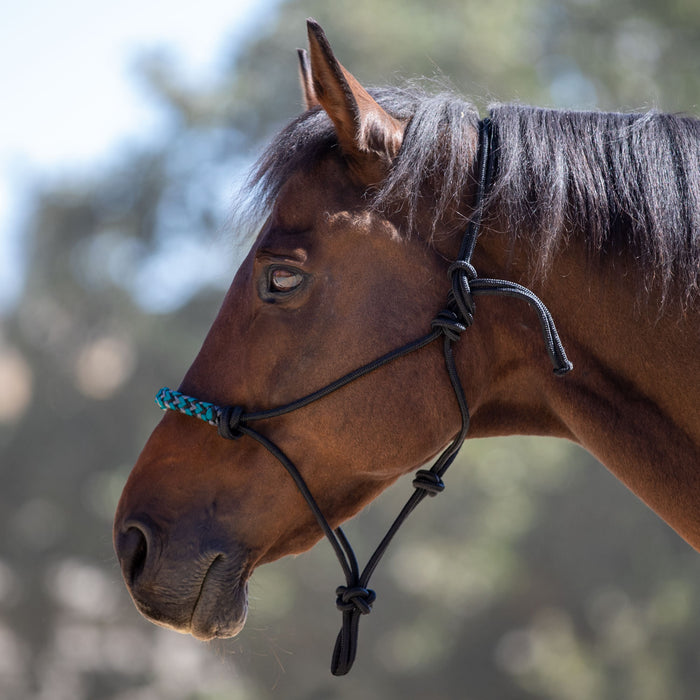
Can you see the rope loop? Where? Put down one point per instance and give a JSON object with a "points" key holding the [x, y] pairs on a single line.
{"points": [[428, 481], [462, 266], [351, 598], [449, 324], [229, 422]]}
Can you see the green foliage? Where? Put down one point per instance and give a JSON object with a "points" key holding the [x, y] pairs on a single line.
{"points": [[536, 575]]}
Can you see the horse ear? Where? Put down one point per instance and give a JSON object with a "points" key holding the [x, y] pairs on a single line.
{"points": [[307, 85], [369, 137]]}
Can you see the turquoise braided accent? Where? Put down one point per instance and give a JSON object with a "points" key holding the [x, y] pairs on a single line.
{"points": [[177, 401]]}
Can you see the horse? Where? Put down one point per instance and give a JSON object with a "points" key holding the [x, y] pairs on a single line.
{"points": [[321, 362]]}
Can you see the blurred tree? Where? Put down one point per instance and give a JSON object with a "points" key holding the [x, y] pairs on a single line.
{"points": [[537, 575]]}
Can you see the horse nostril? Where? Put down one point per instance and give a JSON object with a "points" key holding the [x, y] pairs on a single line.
{"points": [[132, 551]]}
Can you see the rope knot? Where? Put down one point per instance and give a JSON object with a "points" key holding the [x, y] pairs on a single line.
{"points": [[229, 422], [449, 324], [461, 273], [428, 481], [355, 598]]}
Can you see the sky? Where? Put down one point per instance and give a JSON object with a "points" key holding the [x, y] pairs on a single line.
{"points": [[68, 91]]}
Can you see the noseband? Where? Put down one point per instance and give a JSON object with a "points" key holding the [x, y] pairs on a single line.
{"points": [[355, 598]]}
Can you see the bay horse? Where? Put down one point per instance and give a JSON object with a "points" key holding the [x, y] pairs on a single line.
{"points": [[321, 368]]}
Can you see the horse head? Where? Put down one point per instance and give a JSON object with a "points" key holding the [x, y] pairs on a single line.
{"points": [[331, 283]]}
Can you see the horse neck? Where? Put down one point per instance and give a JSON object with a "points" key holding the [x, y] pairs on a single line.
{"points": [[631, 399]]}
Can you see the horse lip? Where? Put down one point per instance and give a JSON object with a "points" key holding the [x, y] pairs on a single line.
{"points": [[217, 609], [221, 608]]}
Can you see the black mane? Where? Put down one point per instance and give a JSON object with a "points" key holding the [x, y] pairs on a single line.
{"points": [[630, 181]]}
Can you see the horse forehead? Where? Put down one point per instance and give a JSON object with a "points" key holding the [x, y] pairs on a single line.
{"points": [[363, 221], [317, 220], [326, 186]]}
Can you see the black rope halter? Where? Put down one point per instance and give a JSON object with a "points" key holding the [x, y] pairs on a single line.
{"points": [[355, 598]]}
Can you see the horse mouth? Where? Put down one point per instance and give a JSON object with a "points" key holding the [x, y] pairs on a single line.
{"points": [[215, 608]]}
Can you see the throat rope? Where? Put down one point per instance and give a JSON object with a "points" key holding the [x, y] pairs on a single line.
{"points": [[355, 598]]}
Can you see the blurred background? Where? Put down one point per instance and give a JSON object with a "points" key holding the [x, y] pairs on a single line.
{"points": [[124, 131]]}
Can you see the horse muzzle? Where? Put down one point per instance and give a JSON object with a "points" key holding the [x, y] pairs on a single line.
{"points": [[196, 587]]}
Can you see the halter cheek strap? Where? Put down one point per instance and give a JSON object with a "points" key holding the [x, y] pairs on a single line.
{"points": [[355, 598]]}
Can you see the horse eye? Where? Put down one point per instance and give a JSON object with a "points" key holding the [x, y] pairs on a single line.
{"points": [[283, 279]]}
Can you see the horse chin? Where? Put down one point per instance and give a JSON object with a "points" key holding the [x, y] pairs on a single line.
{"points": [[222, 606]]}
